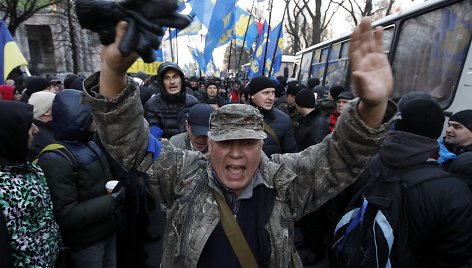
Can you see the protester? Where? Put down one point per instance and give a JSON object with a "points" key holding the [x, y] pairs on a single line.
{"points": [[87, 215], [33, 235], [459, 132], [314, 125], [280, 135], [166, 112], [42, 103], [34, 84], [295, 116], [439, 211], [197, 125], [267, 196]]}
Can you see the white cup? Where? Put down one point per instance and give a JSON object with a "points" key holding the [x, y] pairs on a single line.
{"points": [[110, 185]]}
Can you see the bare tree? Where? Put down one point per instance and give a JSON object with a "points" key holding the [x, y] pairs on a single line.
{"points": [[361, 8], [308, 22], [15, 12]]}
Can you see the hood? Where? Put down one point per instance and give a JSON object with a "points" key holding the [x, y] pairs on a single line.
{"points": [[402, 149], [70, 119], [163, 68], [16, 119]]}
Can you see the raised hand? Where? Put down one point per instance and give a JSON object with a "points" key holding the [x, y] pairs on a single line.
{"points": [[371, 72], [115, 65]]}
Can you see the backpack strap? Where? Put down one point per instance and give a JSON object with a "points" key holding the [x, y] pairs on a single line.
{"points": [[235, 235], [63, 151], [272, 133]]}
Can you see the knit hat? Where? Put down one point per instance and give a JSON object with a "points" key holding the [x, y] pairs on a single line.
{"points": [[42, 102], [463, 117], [422, 117], [306, 99], [35, 84], [293, 90], [320, 91], [259, 83], [335, 91], [279, 90]]}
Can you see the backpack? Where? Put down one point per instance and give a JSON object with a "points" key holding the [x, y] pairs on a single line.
{"points": [[377, 217], [64, 152]]}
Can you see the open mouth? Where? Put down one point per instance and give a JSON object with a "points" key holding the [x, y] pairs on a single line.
{"points": [[235, 170]]}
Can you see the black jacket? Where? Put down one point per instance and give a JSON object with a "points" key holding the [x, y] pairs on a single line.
{"points": [[281, 125], [168, 112], [85, 213], [312, 129], [439, 211]]}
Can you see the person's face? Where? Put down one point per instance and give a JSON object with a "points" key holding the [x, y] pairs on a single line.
{"points": [[290, 100], [341, 104], [193, 84], [264, 98], [16, 97], [172, 82], [202, 86], [31, 133], [212, 91], [457, 134], [200, 143], [235, 161]]}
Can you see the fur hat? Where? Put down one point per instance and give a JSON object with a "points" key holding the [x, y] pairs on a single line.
{"points": [[306, 99], [259, 83], [422, 117], [42, 102], [463, 117]]}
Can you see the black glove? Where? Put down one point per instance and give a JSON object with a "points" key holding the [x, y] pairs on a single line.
{"points": [[118, 194], [145, 21]]}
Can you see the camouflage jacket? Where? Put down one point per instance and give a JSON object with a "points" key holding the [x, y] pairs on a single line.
{"points": [[303, 181]]}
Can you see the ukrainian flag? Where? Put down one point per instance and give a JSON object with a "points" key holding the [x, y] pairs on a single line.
{"points": [[10, 54]]}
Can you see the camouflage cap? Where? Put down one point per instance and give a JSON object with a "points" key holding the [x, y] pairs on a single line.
{"points": [[236, 122]]}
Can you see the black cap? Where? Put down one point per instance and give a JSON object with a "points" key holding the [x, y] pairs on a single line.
{"points": [[259, 83], [345, 95], [422, 117], [199, 118], [306, 99], [463, 117]]}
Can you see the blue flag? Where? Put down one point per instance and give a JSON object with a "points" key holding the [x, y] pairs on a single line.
{"points": [[275, 44], [198, 57], [241, 26], [203, 10], [10, 54], [257, 62], [219, 25]]}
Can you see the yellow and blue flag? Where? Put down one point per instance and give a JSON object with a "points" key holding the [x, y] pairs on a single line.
{"points": [[275, 44], [10, 54], [244, 23], [203, 9], [198, 57], [220, 29], [257, 62]]}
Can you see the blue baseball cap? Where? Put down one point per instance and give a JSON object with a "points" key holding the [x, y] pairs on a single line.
{"points": [[199, 118]]}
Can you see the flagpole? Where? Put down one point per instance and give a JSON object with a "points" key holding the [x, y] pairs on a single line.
{"points": [[278, 37], [171, 48], [177, 47], [229, 67], [238, 64], [267, 38]]}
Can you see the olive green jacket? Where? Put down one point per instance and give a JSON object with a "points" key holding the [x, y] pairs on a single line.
{"points": [[303, 181]]}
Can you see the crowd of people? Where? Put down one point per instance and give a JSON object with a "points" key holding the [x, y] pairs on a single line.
{"points": [[279, 153]]}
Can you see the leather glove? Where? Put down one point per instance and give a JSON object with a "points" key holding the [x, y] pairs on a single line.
{"points": [[118, 194], [145, 21]]}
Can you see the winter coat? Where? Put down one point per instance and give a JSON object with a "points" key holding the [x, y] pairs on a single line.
{"points": [[312, 129], [439, 211], [193, 215], [169, 112], [32, 232], [85, 213], [41, 140], [280, 124]]}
